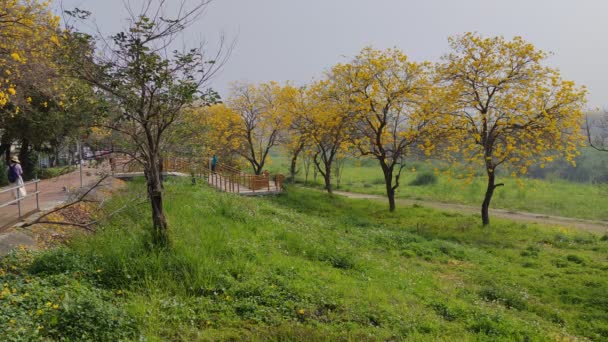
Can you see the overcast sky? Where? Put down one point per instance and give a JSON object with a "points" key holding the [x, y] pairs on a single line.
{"points": [[298, 39]]}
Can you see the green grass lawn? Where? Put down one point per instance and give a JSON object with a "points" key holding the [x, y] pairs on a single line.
{"points": [[553, 197], [307, 266]]}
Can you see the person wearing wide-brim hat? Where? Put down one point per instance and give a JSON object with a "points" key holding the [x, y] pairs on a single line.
{"points": [[15, 177]]}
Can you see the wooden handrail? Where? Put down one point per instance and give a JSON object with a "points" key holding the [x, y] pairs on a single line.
{"points": [[227, 178]]}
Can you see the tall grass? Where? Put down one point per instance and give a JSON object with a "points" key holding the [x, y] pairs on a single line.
{"points": [[308, 266]]}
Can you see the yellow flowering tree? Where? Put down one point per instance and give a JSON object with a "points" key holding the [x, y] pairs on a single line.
{"points": [[389, 95], [29, 38], [296, 105], [329, 124], [509, 110], [39, 102], [252, 122], [223, 131]]}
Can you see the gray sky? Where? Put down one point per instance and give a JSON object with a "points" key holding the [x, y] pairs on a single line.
{"points": [[298, 39]]}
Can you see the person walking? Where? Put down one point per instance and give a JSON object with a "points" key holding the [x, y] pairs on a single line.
{"points": [[213, 163], [15, 177]]}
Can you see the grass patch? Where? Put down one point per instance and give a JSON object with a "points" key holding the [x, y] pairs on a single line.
{"points": [[550, 196], [52, 172], [308, 266]]}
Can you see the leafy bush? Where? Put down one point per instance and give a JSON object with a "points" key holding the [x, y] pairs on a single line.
{"points": [[425, 178], [508, 298], [575, 259], [59, 307], [449, 313], [53, 172]]}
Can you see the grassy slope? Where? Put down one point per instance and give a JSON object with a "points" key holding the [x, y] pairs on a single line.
{"points": [[308, 266], [553, 197]]}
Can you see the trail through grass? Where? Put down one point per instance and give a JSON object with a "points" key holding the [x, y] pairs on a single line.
{"points": [[552, 196]]}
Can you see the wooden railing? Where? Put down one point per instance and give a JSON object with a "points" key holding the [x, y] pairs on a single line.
{"points": [[225, 177], [236, 179]]}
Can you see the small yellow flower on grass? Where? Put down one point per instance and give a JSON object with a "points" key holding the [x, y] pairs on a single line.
{"points": [[39, 312], [48, 304], [56, 306], [301, 312]]}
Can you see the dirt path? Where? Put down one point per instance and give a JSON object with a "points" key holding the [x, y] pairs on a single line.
{"points": [[54, 191], [587, 225]]}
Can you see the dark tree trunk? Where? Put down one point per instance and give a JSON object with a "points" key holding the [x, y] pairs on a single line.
{"points": [[485, 206], [5, 148], [160, 171], [327, 178], [27, 163], [160, 233], [56, 154], [294, 160], [388, 181], [257, 168], [292, 167], [390, 192]]}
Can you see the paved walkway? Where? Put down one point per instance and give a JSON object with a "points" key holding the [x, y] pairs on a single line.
{"points": [[54, 192]]}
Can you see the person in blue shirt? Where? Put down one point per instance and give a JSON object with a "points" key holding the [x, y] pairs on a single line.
{"points": [[213, 163]]}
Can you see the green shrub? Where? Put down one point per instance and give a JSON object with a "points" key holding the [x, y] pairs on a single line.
{"points": [[575, 259], [425, 178], [53, 172], [60, 307], [449, 313], [87, 313], [508, 298]]}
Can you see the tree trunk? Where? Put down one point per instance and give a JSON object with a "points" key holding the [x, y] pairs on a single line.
{"points": [[388, 181], [485, 216], [26, 163], [257, 168], [160, 171], [327, 178], [160, 233], [391, 199], [306, 169], [292, 167], [5, 148]]}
